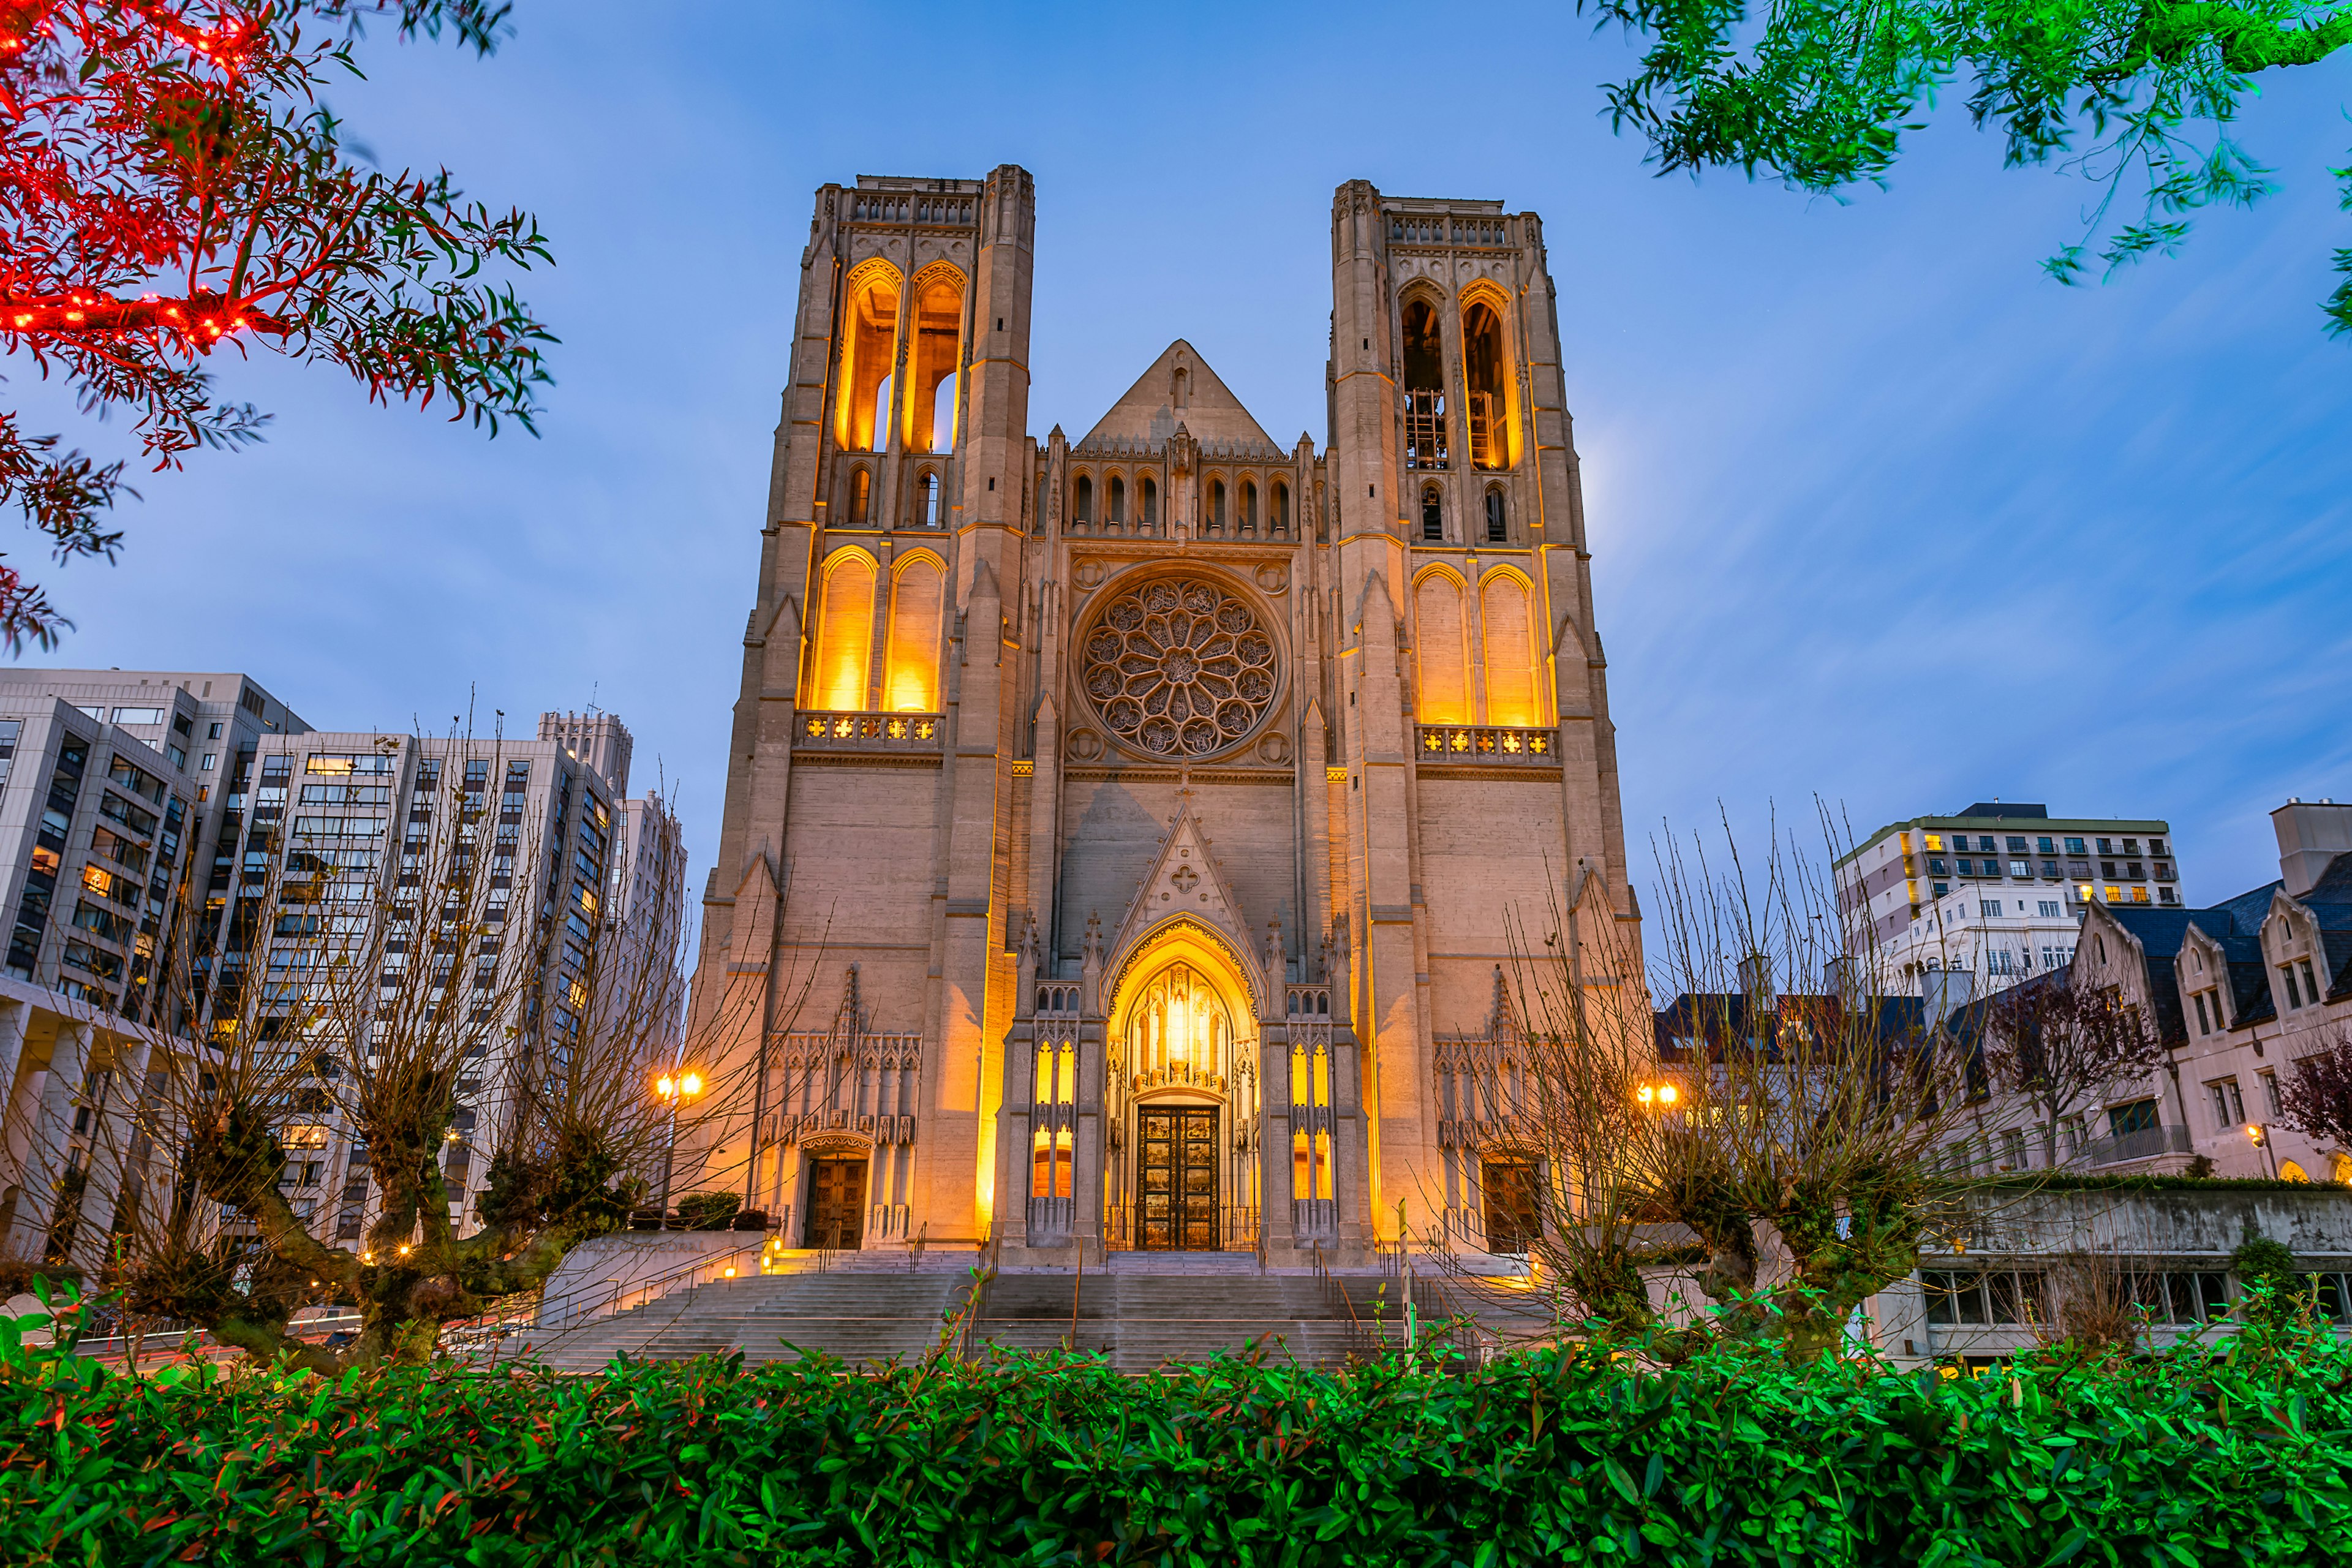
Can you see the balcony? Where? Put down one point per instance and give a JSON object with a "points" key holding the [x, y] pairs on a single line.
{"points": [[2147, 1143], [904, 733], [1488, 743]]}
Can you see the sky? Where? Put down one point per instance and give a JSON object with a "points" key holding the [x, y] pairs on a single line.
{"points": [[1879, 514]]}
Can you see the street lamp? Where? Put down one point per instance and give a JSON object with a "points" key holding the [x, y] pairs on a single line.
{"points": [[1657, 1096], [670, 1091], [2259, 1136]]}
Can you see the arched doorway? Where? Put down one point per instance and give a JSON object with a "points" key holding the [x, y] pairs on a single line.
{"points": [[1183, 1099]]}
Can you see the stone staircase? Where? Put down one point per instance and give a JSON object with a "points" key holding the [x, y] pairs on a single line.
{"points": [[1142, 1317], [1145, 1311], [858, 1314]]}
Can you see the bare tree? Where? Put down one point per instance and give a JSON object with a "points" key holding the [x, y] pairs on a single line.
{"points": [[1782, 1117], [2059, 1047], [2317, 1098], [418, 1008]]}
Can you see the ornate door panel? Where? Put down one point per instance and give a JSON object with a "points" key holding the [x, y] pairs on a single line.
{"points": [[836, 1207], [1176, 1178]]}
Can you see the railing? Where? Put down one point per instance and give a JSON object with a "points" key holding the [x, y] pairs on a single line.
{"points": [[868, 733], [1364, 1340], [1488, 743], [1235, 1228], [2146, 1143]]}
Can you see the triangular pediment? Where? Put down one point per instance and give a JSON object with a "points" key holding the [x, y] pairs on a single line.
{"points": [[1181, 389], [1185, 883]]}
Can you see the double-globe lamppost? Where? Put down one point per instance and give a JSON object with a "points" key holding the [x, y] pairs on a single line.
{"points": [[671, 1090]]}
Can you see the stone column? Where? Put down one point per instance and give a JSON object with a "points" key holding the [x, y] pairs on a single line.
{"points": [[45, 1160]]}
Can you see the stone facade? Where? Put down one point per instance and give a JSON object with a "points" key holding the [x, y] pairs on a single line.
{"points": [[1115, 828]]}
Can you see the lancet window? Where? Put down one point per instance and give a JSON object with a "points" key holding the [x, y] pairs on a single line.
{"points": [[938, 336], [1180, 1032], [1425, 387], [1082, 500], [1486, 373], [1148, 511], [844, 635], [1498, 530], [1249, 506], [870, 344]]}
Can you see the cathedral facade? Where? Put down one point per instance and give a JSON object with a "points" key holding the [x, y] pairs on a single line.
{"points": [[1123, 836]]}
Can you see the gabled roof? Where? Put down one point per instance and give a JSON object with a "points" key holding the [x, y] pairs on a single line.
{"points": [[1147, 414]]}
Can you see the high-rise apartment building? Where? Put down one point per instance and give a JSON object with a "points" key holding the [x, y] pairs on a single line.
{"points": [[138, 809], [1996, 890]]}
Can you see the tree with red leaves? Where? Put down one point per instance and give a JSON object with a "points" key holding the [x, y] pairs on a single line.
{"points": [[169, 186], [2317, 1098]]}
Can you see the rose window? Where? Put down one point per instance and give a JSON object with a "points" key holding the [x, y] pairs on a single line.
{"points": [[1179, 667]]}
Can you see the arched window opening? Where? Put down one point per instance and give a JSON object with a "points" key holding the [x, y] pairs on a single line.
{"points": [[1310, 1101], [1249, 506], [1050, 1165], [1181, 396], [1117, 513], [1179, 1031], [1216, 506], [1278, 508], [943, 414], [1497, 532], [1486, 373], [1150, 515], [912, 683], [861, 497], [928, 501], [1082, 500], [1444, 695], [869, 345], [1425, 387], [1510, 653], [939, 335], [1433, 516], [844, 638]]}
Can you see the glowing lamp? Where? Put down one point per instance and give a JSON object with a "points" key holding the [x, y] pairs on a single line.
{"points": [[2254, 1132], [664, 1086], [1666, 1094], [1647, 1094], [691, 1083]]}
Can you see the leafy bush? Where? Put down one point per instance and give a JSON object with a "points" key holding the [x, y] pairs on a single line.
{"points": [[708, 1211], [2238, 1455]]}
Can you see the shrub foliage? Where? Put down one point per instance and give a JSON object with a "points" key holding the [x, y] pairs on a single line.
{"points": [[2196, 1456]]}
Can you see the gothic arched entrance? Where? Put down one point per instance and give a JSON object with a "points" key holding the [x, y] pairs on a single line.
{"points": [[1182, 1102]]}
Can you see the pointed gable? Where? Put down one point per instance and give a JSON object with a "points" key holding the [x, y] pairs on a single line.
{"points": [[1181, 389], [1185, 881]]}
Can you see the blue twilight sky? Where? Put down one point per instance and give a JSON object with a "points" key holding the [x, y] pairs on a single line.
{"points": [[1876, 511]]}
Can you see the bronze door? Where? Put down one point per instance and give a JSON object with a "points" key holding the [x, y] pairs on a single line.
{"points": [[1513, 1222], [836, 1208], [1176, 1178]]}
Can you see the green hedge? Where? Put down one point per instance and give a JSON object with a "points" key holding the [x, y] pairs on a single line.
{"points": [[2238, 1456]]}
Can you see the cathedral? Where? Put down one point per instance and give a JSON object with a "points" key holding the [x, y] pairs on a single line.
{"points": [[1125, 836]]}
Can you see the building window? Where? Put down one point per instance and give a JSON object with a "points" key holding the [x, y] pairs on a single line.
{"points": [[1249, 506], [1278, 508], [1117, 514], [1497, 532], [2075, 847], [1935, 842], [2047, 908], [861, 497], [1424, 383], [2293, 996], [2204, 1026], [1216, 506], [2228, 1105], [1485, 373], [213, 732], [931, 488], [1989, 908], [2310, 981], [1433, 516], [1150, 517], [210, 758], [2156, 846], [2020, 868], [1941, 889], [1082, 500], [2271, 1094], [2046, 846], [2139, 1116]]}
